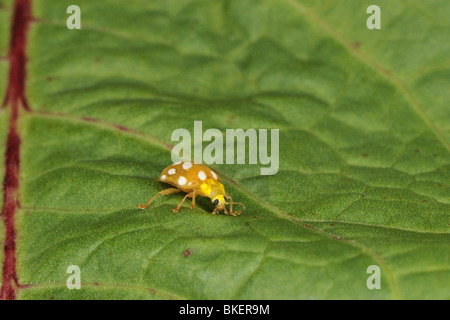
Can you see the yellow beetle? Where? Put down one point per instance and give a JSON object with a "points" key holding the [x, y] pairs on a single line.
{"points": [[195, 180]]}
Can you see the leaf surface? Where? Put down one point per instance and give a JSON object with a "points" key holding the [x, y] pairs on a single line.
{"points": [[364, 150]]}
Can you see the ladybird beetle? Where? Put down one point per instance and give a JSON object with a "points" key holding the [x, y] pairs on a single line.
{"points": [[195, 180]]}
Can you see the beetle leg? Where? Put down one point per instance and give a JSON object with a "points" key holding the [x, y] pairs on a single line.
{"points": [[163, 192], [193, 199], [181, 203]]}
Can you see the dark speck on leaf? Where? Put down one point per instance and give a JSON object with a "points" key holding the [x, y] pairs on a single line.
{"points": [[230, 119], [187, 253], [365, 155], [417, 150]]}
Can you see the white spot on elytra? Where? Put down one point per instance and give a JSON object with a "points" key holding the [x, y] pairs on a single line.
{"points": [[201, 175], [187, 165], [182, 181], [214, 174], [171, 171], [163, 177], [189, 183]]}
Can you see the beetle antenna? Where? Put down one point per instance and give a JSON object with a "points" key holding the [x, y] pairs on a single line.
{"points": [[232, 202]]}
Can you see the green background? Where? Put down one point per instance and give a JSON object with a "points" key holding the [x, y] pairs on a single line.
{"points": [[364, 149]]}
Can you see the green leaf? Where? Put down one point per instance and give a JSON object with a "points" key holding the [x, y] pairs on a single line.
{"points": [[364, 149]]}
